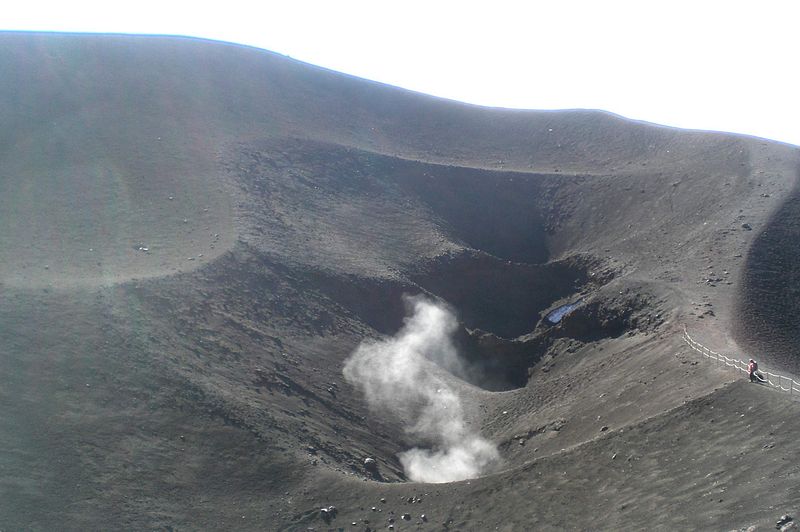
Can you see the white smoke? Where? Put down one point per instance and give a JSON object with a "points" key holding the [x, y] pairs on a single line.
{"points": [[396, 376]]}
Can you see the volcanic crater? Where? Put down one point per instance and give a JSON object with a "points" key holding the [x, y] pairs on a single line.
{"points": [[199, 236]]}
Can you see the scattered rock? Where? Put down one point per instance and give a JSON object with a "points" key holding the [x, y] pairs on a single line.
{"points": [[406, 517], [604, 428], [747, 227], [783, 521], [325, 515], [370, 465]]}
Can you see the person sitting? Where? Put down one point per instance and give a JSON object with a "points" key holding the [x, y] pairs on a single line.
{"points": [[752, 367]]}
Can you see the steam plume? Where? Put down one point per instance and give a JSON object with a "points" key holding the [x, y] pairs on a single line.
{"points": [[397, 377]]}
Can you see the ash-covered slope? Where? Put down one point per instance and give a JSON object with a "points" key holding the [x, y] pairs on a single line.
{"points": [[198, 235], [768, 304]]}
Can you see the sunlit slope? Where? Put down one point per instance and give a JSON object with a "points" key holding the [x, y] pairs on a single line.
{"points": [[92, 170], [112, 143]]}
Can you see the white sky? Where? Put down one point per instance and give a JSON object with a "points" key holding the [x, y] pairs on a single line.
{"points": [[707, 64]]}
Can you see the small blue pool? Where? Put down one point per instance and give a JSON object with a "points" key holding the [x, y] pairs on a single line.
{"points": [[554, 316]]}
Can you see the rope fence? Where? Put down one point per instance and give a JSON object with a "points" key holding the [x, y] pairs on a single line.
{"points": [[780, 382]]}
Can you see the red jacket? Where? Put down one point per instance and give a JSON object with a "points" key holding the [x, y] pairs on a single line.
{"points": [[751, 367]]}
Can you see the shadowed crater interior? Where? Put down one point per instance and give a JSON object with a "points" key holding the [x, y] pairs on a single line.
{"points": [[476, 239]]}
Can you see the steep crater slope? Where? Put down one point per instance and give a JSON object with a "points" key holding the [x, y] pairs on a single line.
{"points": [[501, 248], [371, 228], [769, 301], [315, 203], [355, 213]]}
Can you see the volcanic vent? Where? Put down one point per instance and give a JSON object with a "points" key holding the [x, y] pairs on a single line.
{"points": [[472, 243], [474, 238]]}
